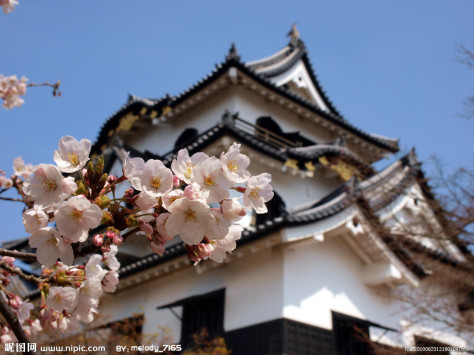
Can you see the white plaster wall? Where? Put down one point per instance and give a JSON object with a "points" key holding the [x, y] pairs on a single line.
{"points": [[299, 71], [253, 293], [160, 139], [250, 106], [327, 277]]}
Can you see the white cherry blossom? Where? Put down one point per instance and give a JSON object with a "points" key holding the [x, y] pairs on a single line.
{"points": [[10, 87], [132, 167], [23, 310], [76, 216], [234, 164], [93, 269], [110, 281], [34, 219], [232, 209], [62, 298], [21, 169], [191, 219], [211, 181], [46, 185], [72, 155], [184, 165], [8, 5], [220, 227], [5, 183], [50, 246], [170, 197], [227, 244], [152, 177], [86, 304], [146, 201], [110, 258], [258, 191]]}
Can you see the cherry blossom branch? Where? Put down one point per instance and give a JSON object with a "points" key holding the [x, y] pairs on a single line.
{"points": [[19, 272], [17, 254], [11, 199], [54, 86], [14, 323]]}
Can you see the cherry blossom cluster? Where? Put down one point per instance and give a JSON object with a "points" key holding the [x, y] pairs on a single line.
{"points": [[11, 89], [19, 307], [8, 5], [199, 182], [74, 214]]}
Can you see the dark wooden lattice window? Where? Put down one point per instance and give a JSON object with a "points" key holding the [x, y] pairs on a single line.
{"points": [[351, 335], [203, 311], [304, 339], [200, 311], [264, 338]]}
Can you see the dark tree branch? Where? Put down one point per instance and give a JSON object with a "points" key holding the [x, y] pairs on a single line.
{"points": [[18, 254], [14, 323]]}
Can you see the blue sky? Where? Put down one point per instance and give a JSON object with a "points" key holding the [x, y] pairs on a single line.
{"points": [[388, 66]]}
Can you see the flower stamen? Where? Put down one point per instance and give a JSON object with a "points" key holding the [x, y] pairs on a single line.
{"points": [[255, 193], [233, 165], [49, 185], [189, 170], [76, 215], [52, 242], [73, 158], [190, 216], [155, 182], [210, 180]]}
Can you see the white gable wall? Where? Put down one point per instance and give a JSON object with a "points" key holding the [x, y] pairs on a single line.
{"points": [[251, 106], [299, 75], [253, 293], [160, 139], [325, 277]]}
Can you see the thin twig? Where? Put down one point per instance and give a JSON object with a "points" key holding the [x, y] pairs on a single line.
{"points": [[17, 254], [11, 199], [19, 272]]}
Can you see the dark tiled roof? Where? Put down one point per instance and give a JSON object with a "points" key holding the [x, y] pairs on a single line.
{"points": [[18, 244], [134, 104]]}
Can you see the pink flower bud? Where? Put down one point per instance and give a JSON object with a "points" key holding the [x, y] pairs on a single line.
{"points": [[190, 193], [13, 303], [110, 234], [176, 181], [98, 240], [118, 240], [111, 178], [240, 189]]}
